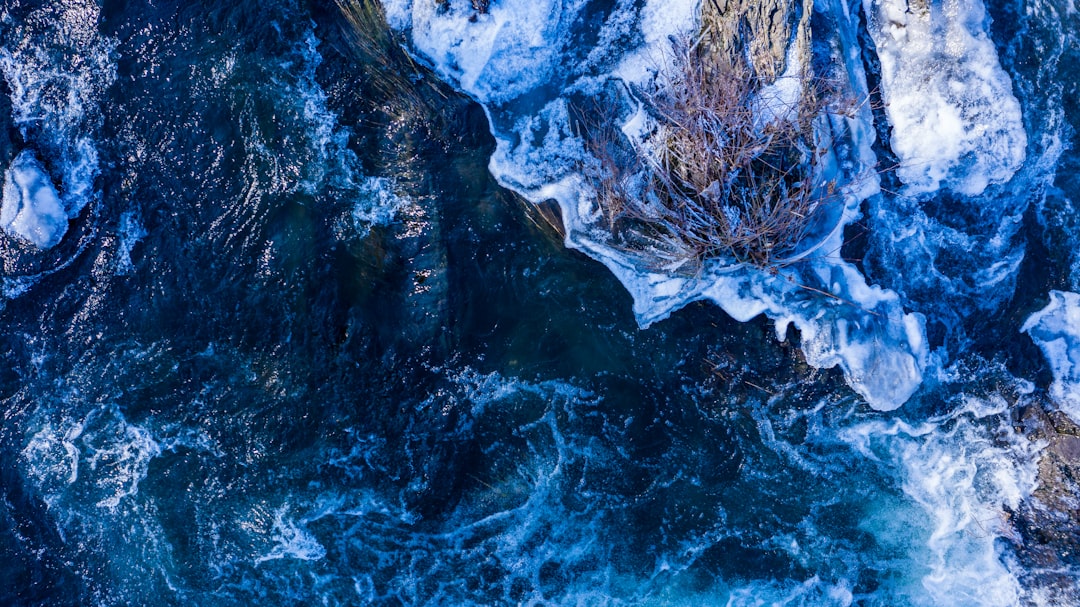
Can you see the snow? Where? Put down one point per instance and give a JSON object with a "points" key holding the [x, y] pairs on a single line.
{"points": [[955, 121]]}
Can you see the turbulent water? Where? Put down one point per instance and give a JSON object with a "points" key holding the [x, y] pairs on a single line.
{"points": [[289, 316]]}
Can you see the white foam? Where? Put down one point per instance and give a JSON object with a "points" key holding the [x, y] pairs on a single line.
{"points": [[118, 456], [292, 540], [1056, 330], [329, 159], [955, 120], [58, 67], [100, 456], [31, 207], [960, 474], [376, 204], [131, 232], [812, 592]]}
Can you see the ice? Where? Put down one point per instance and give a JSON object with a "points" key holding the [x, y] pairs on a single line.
{"points": [[493, 57], [662, 18], [779, 100], [31, 207], [1056, 330], [955, 121], [513, 62]]}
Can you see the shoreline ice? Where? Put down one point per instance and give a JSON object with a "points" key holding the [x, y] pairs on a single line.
{"points": [[843, 320]]}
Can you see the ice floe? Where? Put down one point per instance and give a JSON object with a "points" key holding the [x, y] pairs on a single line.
{"points": [[1056, 330], [31, 207]]}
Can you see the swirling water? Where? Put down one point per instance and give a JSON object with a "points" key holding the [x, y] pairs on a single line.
{"points": [[296, 345]]}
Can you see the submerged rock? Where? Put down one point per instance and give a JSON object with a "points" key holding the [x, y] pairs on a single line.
{"points": [[31, 208]]}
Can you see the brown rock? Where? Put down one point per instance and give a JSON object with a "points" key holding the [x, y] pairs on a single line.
{"points": [[761, 27], [1049, 521]]}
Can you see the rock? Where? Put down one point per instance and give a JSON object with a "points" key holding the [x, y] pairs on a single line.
{"points": [[764, 26], [1049, 521], [31, 209]]}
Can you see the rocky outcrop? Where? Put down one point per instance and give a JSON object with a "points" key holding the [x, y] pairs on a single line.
{"points": [[762, 27], [1049, 521]]}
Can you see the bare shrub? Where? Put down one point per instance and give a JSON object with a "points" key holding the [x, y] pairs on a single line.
{"points": [[728, 172]]}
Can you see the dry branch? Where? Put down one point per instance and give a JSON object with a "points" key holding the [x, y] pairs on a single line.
{"points": [[722, 176]]}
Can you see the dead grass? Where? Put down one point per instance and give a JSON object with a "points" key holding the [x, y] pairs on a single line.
{"points": [[718, 180], [386, 64]]}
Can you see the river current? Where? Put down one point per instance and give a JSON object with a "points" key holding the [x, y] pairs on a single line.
{"points": [[290, 316]]}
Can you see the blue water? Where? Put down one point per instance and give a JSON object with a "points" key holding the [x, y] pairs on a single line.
{"points": [[297, 346]]}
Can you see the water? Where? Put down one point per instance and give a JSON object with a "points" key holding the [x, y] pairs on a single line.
{"points": [[298, 345]]}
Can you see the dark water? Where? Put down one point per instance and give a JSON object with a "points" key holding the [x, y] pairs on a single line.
{"points": [[228, 386]]}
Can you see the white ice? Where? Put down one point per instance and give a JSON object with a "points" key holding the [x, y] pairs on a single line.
{"points": [[31, 207], [1056, 330], [955, 121], [494, 57]]}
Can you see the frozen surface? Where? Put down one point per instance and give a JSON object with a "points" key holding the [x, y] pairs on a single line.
{"points": [[515, 62], [31, 207], [494, 57], [1056, 330], [955, 122]]}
